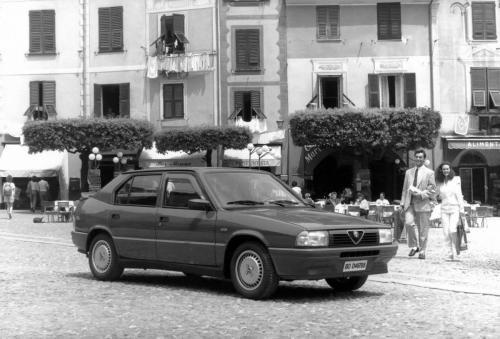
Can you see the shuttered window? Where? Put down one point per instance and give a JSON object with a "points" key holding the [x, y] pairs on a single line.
{"points": [[172, 33], [483, 21], [173, 101], [485, 85], [42, 32], [389, 20], [247, 50], [247, 105], [42, 100], [395, 95], [110, 29], [327, 20]]}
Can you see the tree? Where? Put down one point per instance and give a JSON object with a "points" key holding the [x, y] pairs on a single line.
{"points": [[368, 130], [199, 139], [81, 135]]}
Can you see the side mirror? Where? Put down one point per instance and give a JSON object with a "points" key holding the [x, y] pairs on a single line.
{"points": [[199, 204]]}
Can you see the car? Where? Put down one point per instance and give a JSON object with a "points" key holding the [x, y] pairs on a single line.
{"points": [[239, 224]]}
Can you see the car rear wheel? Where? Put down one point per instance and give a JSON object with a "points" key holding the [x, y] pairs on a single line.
{"points": [[103, 259], [348, 283], [252, 271]]}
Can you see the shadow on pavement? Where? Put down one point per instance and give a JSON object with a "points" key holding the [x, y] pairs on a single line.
{"points": [[287, 291]]}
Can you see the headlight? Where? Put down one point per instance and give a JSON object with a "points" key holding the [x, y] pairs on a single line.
{"points": [[385, 236], [312, 239]]}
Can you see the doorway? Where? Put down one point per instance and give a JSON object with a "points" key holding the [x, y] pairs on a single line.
{"points": [[473, 183], [330, 90], [329, 176], [111, 101]]}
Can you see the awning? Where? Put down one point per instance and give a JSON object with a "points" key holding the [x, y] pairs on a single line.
{"points": [[16, 161], [240, 158], [151, 158]]}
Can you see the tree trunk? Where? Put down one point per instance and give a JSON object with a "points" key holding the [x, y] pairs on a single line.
{"points": [[84, 170], [208, 157]]}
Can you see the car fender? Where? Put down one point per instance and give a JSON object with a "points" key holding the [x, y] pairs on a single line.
{"points": [[248, 233], [97, 229]]}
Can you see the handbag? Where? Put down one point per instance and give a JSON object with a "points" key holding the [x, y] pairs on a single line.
{"points": [[461, 236], [436, 213]]}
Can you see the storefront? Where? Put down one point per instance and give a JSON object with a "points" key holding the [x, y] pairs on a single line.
{"points": [[477, 160]]}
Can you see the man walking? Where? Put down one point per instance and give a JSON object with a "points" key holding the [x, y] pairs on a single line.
{"points": [[33, 191], [44, 190], [418, 189]]}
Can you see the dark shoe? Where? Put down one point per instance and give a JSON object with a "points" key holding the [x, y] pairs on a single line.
{"points": [[421, 256], [413, 252]]}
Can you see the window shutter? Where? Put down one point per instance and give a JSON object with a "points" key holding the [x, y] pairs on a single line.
{"points": [[255, 99], [373, 91], [34, 93], [389, 21], [125, 100], [247, 49], [241, 49], [253, 48], [116, 24], [483, 21], [179, 100], [178, 23], [478, 85], [48, 31], [327, 22], [104, 29], [321, 18], [97, 101], [35, 31], [167, 101], [163, 26], [493, 76], [410, 90], [49, 92], [237, 103]]}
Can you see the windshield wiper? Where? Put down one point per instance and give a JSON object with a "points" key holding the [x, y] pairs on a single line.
{"points": [[245, 202], [283, 203]]}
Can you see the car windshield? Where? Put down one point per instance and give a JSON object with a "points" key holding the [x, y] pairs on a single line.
{"points": [[236, 189]]}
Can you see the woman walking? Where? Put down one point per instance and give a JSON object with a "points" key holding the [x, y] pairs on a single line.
{"points": [[9, 194], [452, 205]]}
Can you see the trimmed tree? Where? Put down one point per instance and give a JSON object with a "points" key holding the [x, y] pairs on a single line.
{"points": [[202, 139], [81, 135], [366, 131]]}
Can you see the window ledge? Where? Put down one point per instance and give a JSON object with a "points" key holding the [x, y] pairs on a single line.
{"points": [[110, 52], [32, 54], [173, 122], [484, 41], [248, 71], [329, 40], [390, 40]]}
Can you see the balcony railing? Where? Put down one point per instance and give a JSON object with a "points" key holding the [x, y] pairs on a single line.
{"points": [[178, 63]]}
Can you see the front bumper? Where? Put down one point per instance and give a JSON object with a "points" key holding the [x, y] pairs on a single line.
{"points": [[80, 241], [322, 263]]}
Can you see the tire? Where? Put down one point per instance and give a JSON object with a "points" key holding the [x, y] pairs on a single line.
{"points": [[103, 259], [347, 284], [252, 271]]}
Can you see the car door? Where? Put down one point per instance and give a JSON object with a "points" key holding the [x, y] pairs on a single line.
{"points": [[184, 235], [133, 219]]}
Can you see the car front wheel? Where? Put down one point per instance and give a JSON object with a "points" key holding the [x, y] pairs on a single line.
{"points": [[252, 271], [348, 283], [103, 259]]}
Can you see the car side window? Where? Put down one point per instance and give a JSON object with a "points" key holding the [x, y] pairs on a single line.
{"points": [[141, 190], [178, 191]]}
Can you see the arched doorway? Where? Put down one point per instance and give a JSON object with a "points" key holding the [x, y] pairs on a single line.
{"points": [[472, 169]]}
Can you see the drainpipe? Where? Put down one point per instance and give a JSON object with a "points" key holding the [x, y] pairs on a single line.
{"points": [[431, 68], [83, 96]]}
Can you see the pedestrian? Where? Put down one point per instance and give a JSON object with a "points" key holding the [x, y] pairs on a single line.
{"points": [[33, 191], [449, 190], [296, 188], [416, 203], [44, 190], [9, 194]]}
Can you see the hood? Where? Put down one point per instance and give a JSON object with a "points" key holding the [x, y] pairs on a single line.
{"points": [[312, 219]]}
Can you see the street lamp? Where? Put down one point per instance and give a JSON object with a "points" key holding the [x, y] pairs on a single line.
{"points": [[260, 151], [95, 157], [120, 160]]}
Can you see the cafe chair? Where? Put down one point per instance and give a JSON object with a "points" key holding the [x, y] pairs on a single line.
{"points": [[372, 212], [387, 214], [482, 214], [64, 211], [48, 210]]}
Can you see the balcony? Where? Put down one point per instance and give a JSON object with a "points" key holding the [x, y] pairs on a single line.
{"points": [[181, 63]]}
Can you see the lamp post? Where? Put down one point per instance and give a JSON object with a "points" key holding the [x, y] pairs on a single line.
{"points": [[95, 157], [260, 151], [120, 160]]}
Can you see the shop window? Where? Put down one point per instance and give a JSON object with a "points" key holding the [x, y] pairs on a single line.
{"points": [[110, 29], [389, 21], [42, 32], [172, 39], [112, 101], [247, 105], [247, 50], [173, 101], [483, 21], [327, 22], [42, 100], [392, 90]]}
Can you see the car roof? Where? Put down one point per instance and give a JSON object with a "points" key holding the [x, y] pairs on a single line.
{"points": [[196, 169]]}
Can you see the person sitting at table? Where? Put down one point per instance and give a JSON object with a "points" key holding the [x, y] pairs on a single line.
{"points": [[332, 199], [364, 205], [382, 201], [308, 199], [347, 196]]}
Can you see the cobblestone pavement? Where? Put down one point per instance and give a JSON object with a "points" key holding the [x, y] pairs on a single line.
{"points": [[47, 291]]}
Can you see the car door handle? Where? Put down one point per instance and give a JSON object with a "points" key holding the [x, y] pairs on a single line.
{"points": [[163, 220], [115, 216]]}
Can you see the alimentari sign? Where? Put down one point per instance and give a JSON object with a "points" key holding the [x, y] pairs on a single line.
{"points": [[474, 144]]}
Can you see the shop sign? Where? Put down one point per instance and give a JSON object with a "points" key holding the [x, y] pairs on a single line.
{"points": [[462, 125], [311, 152], [474, 144]]}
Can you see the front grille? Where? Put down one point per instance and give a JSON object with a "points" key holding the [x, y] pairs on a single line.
{"points": [[342, 239], [358, 254]]}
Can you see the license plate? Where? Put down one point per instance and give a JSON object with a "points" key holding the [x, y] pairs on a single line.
{"points": [[355, 266]]}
